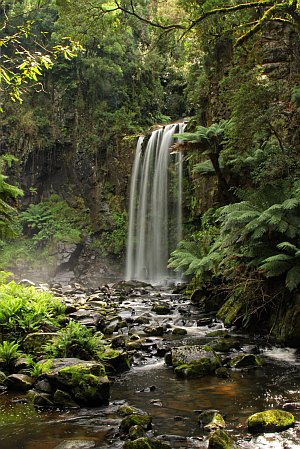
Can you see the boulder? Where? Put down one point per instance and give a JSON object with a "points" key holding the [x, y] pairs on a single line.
{"points": [[225, 344], [211, 420], [161, 309], [134, 419], [64, 400], [194, 361], [220, 440], [179, 331], [270, 421], [20, 382], [34, 343], [154, 330], [85, 381], [245, 360], [116, 361], [126, 410], [40, 399], [136, 432]]}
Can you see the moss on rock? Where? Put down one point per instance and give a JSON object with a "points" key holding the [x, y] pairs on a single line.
{"points": [[194, 361], [220, 440], [135, 420], [270, 421], [88, 386], [244, 360], [211, 420]]}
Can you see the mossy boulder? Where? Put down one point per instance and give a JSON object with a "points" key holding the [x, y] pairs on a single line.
{"points": [[225, 344], [194, 361], [134, 419], [270, 421], [20, 382], [85, 381], [146, 443], [179, 331], [40, 399], [161, 309], [136, 432], [245, 360], [211, 420], [154, 330], [220, 440], [231, 309], [126, 410], [64, 400], [116, 361], [35, 342]]}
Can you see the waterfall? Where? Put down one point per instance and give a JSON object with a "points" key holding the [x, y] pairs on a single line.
{"points": [[155, 207]]}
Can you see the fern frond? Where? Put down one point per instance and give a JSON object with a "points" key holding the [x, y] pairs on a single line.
{"points": [[293, 278], [289, 247]]}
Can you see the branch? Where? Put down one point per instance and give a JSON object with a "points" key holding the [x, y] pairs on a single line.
{"points": [[132, 12], [228, 9]]}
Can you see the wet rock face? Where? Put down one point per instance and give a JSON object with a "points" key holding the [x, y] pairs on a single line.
{"points": [[220, 440], [79, 382], [270, 421], [194, 361], [211, 420]]}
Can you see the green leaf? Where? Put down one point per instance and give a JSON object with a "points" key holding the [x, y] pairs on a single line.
{"points": [[293, 278]]}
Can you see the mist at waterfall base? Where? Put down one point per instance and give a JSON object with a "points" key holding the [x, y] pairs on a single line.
{"points": [[155, 207]]}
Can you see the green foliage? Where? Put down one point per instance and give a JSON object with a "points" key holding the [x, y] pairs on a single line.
{"points": [[9, 353], [8, 195], [24, 310], [212, 135], [53, 220], [197, 256], [113, 242], [75, 340], [37, 369], [25, 52]]}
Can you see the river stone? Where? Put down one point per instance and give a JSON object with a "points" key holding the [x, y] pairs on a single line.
{"points": [[225, 344], [270, 421], [211, 420], [85, 381], [161, 309], [179, 331], [220, 440], [146, 443], [154, 331], [194, 361], [76, 444], [34, 343], [20, 382], [116, 361], [63, 399], [126, 410], [245, 360], [135, 420], [136, 432], [40, 399]]}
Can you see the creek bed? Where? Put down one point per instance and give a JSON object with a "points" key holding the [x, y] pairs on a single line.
{"points": [[173, 402]]}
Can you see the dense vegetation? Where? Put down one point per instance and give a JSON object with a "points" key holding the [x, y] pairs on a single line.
{"points": [[229, 65]]}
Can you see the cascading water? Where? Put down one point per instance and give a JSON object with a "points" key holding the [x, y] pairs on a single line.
{"points": [[155, 209]]}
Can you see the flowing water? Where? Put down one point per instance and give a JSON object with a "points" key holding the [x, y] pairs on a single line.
{"points": [[173, 402], [155, 210]]}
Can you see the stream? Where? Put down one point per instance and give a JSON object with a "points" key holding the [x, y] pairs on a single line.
{"points": [[173, 402]]}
